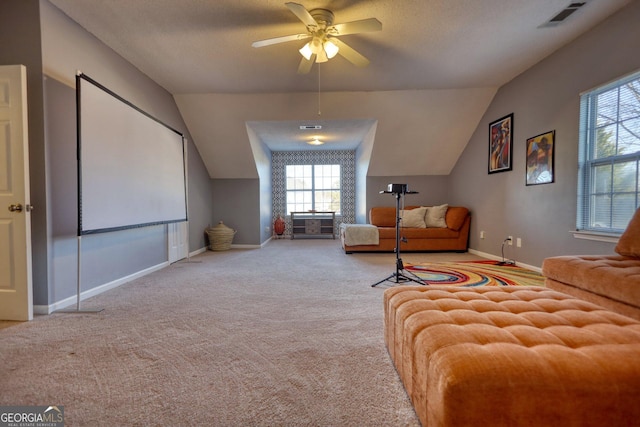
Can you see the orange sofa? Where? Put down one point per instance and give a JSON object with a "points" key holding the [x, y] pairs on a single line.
{"points": [[612, 281], [512, 356], [451, 235]]}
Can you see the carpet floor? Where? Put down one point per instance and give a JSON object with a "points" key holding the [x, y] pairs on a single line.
{"points": [[287, 335]]}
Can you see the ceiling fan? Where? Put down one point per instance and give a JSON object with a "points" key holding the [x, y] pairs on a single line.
{"points": [[324, 43]]}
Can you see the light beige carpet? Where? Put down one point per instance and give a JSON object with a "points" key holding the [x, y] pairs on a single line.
{"points": [[287, 335]]}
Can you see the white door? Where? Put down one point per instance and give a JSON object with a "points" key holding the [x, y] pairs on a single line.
{"points": [[16, 295], [177, 234]]}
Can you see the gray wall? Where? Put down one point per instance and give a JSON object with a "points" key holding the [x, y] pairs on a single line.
{"points": [[544, 98], [200, 201], [106, 258], [266, 217], [432, 190], [36, 34], [20, 40], [262, 157], [363, 156], [237, 205]]}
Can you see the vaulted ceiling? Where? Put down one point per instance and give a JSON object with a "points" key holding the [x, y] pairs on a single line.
{"points": [[434, 69]]}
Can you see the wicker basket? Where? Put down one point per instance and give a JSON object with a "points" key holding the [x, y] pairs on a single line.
{"points": [[220, 237]]}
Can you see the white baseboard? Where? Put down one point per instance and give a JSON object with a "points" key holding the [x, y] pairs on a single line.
{"points": [[240, 246], [497, 258], [233, 246], [198, 251], [48, 309], [246, 246]]}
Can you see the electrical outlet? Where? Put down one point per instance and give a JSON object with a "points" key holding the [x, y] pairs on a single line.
{"points": [[267, 228], [518, 242], [510, 239], [482, 234]]}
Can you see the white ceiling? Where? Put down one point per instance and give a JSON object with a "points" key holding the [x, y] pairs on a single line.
{"points": [[203, 47], [334, 134]]}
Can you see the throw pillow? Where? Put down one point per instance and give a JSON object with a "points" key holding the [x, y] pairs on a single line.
{"points": [[629, 242], [435, 216], [413, 218]]}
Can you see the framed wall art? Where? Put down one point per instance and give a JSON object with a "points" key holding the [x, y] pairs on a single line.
{"points": [[501, 144], [540, 158]]}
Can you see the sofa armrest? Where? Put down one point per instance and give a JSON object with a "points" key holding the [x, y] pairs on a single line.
{"points": [[456, 216]]}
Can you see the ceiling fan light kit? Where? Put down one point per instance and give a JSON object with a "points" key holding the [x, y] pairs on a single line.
{"points": [[330, 48], [324, 43], [306, 51], [323, 51]]}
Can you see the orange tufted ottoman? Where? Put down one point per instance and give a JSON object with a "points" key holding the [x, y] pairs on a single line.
{"points": [[512, 356]]}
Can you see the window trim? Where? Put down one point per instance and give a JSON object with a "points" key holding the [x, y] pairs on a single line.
{"points": [[599, 237], [313, 188], [586, 162]]}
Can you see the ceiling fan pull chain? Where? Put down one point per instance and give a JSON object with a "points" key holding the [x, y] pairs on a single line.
{"points": [[319, 111]]}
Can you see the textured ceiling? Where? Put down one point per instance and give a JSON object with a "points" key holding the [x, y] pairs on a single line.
{"points": [[335, 134], [204, 47], [199, 46]]}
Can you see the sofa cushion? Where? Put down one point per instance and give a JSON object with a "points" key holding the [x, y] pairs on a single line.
{"points": [[456, 216], [629, 242], [435, 216], [413, 217], [418, 233], [385, 216], [613, 276]]}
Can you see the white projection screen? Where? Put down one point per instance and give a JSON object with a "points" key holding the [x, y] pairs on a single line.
{"points": [[131, 166]]}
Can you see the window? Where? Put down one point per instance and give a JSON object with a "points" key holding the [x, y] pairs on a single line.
{"points": [[609, 172], [313, 187]]}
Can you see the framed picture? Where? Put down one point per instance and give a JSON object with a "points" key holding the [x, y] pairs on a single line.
{"points": [[501, 144], [540, 154]]}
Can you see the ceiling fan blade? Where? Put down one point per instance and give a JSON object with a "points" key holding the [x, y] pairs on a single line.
{"points": [[362, 26], [306, 64], [282, 39], [349, 53], [302, 14]]}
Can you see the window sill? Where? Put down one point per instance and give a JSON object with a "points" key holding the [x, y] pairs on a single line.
{"points": [[594, 235]]}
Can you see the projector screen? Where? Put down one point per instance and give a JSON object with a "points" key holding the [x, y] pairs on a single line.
{"points": [[131, 166]]}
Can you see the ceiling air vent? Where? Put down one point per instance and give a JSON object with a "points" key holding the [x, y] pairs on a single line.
{"points": [[306, 127], [563, 14]]}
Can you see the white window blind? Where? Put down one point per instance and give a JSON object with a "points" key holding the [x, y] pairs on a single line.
{"points": [[609, 156]]}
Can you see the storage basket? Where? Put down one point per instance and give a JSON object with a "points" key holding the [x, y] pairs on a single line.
{"points": [[220, 237]]}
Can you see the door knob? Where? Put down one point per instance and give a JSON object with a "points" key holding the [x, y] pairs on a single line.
{"points": [[15, 208]]}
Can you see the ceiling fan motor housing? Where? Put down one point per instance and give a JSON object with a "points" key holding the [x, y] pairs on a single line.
{"points": [[323, 17]]}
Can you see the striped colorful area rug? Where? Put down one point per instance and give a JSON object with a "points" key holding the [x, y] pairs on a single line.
{"points": [[475, 273]]}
